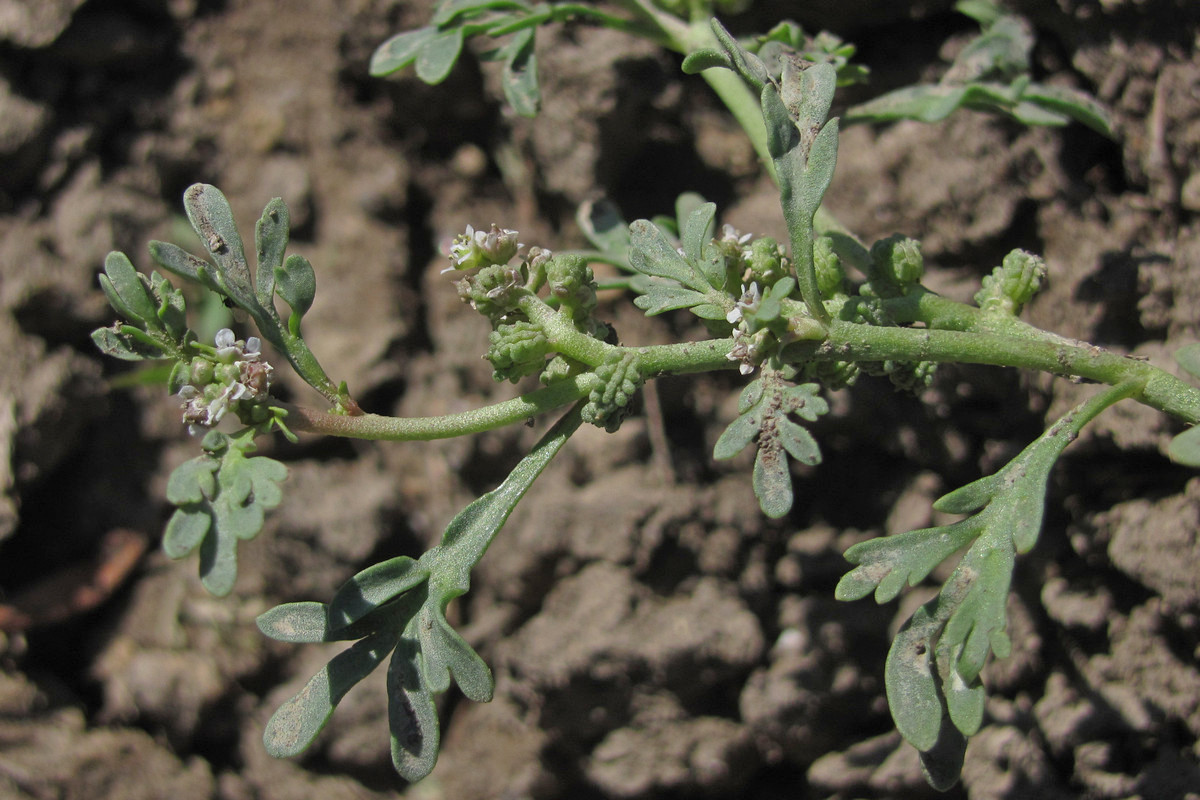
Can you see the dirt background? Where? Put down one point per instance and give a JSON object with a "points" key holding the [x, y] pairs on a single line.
{"points": [[652, 635]]}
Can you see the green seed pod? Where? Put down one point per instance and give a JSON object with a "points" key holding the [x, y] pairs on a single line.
{"points": [[227, 373], [1013, 284], [831, 277], [201, 372], [608, 403], [517, 349], [766, 262], [571, 281], [493, 291], [898, 258]]}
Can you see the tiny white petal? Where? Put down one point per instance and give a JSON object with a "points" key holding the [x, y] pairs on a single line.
{"points": [[224, 338]]}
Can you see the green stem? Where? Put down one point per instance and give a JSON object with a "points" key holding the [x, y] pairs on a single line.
{"points": [[408, 429], [848, 341]]}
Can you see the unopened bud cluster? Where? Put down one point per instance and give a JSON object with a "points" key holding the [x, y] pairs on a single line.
{"points": [[234, 378]]}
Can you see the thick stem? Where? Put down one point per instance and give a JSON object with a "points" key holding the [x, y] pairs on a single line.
{"points": [[850, 341]]}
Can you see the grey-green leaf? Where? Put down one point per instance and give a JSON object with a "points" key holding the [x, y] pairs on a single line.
{"points": [[126, 290], [296, 283], [412, 717], [772, 479], [186, 529], [212, 218], [911, 685], [296, 723], [520, 75], [271, 240], [175, 259], [700, 60], [399, 51], [652, 254], [304, 622], [437, 55], [372, 587], [735, 438]]}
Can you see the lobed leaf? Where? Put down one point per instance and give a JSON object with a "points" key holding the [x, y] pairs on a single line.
{"points": [[651, 253], [222, 497], [446, 652], [662, 297], [602, 224], [125, 344]]}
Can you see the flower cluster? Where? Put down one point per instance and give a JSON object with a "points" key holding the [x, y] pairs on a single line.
{"points": [[234, 377], [483, 248]]}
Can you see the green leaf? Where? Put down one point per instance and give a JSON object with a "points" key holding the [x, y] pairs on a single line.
{"points": [[185, 530], [296, 723], [304, 622], [175, 259], [296, 284], [447, 10], [663, 297], [446, 652], [271, 240], [172, 310], [1185, 448], [520, 76], [737, 436], [819, 166], [798, 442], [698, 230], [772, 479], [438, 54], [212, 218], [125, 344], [222, 497], [651, 253], [912, 688], [193, 481], [925, 103], [984, 12], [888, 564], [749, 66], [953, 635], [412, 717], [984, 576], [700, 60], [372, 587], [602, 224], [399, 51], [1072, 103], [126, 290]]}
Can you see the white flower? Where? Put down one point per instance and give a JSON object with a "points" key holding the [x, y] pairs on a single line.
{"points": [[750, 300], [482, 248]]}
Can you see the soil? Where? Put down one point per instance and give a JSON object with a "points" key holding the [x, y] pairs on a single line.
{"points": [[675, 643]]}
